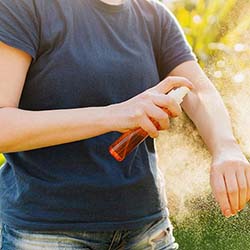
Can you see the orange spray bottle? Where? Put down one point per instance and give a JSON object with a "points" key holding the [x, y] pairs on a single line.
{"points": [[129, 140]]}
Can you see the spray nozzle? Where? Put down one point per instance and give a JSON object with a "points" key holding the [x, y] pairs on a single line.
{"points": [[178, 94]]}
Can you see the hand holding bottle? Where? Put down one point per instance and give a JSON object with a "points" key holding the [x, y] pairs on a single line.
{"points": [[149, 111]]}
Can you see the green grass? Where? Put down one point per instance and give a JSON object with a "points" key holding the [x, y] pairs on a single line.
{"points": [[206, 229]]}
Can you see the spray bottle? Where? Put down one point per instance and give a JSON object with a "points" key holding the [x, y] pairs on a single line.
{"points": [[129, 140]]}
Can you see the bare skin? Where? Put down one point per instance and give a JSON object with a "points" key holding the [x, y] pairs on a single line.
{"points": [[230, 170], [113, 2], [24, 130]]}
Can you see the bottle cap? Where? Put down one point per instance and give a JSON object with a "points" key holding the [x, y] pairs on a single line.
{"points": [[178, 94]]}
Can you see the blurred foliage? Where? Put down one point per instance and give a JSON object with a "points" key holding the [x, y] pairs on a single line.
{"points": [[218, 31], [1, 159], [210, 24]]}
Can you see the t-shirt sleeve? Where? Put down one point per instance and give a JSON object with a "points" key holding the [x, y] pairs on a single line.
{"points": [[174, 48], [19, 25]]}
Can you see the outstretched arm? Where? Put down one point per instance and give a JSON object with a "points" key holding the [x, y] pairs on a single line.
{"points": [[22, 130], [230, 170]]}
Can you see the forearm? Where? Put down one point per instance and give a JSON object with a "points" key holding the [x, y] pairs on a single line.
{"points": [[230, 170], [22, 130], [26, 130], [206, 109]]}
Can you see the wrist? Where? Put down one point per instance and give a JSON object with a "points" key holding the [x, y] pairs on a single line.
{"points": [[112, 117], [101, 118], [227, 149]]}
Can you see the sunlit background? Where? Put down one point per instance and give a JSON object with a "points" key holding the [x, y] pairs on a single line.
{"points": [[218, 31]]}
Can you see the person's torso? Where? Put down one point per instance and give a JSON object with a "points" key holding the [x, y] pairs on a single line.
{"points": [[90, 54]]}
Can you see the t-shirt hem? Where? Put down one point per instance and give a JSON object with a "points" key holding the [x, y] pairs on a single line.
{"points": [[17, 44], [83, 226]]}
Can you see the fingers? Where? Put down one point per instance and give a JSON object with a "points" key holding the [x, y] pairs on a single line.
{"points": [[237, 189], [144, 121], [155, 105], [159, 117], [230, 182], [232, 190], [172, 107], [220, 193], [164, 101], [156, 97], [172, 82], [247, 173], [147, 125], [242, 187]]}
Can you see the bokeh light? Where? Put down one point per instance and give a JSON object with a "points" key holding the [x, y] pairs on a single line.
{"points": [[219, 34]]}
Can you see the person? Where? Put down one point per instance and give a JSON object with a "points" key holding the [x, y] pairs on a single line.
{"points": [[73, 76]]}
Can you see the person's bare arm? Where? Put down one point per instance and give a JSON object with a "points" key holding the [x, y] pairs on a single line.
{"points": [[22, 130], [230, 171]]}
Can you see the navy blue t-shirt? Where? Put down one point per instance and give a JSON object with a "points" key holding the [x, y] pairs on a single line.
{"points": [[87, 53]]}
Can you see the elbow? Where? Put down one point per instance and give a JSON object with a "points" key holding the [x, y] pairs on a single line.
{"points": [[202, 94], [198, 100], [204, 102]]}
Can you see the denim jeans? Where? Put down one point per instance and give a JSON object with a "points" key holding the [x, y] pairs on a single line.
{"points": [[154, 236]]}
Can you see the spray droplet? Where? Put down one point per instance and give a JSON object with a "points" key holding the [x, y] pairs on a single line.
{"points": [[239, 47], [218, 74], [219, 46], [239, 78], [221, 63], [197, 19]]}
